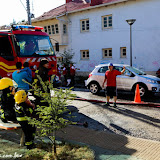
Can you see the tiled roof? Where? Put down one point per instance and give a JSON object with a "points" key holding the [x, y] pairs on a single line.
{"points": [[70, 7]]}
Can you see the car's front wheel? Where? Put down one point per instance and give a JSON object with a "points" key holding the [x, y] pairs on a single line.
{"points": [[94, 88], [142, 90]]}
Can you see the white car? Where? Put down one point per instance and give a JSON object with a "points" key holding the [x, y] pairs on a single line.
{"points": [[126, 81]]}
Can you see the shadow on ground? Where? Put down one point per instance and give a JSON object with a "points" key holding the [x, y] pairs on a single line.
{"points": [[129, 96], [106, 145]]}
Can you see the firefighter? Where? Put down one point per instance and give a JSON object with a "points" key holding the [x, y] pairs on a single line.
{"points": [[42, 71], [25, 108], [7, 100]]}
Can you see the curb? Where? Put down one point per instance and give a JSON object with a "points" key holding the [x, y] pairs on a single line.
{"points": [[156, 105]]}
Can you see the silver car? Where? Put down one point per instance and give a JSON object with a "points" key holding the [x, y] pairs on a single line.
{"points": [[126, 82]]}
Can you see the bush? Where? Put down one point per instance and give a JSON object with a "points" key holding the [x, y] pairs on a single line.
{"points": [[64, 152]]}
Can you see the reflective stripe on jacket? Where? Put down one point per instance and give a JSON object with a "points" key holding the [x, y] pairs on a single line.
{"points": [[23, 111]]}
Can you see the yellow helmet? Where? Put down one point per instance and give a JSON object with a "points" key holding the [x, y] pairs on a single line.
{"points": [[5, 83], [20, 96]]}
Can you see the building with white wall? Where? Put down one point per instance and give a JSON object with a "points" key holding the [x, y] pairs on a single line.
{"points": [[98, 32]]}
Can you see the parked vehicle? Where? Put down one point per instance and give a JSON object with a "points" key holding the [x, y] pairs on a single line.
{"points": [[126, 82], [25, 43], [158, 73]]}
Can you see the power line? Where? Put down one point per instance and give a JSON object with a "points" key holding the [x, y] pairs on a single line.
{"points": [[23, 5]]}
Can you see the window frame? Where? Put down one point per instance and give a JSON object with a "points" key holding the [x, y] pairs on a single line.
{"points": [[106, 49], [85, 25], [49, 29], [85, 52], [59, 59], [121, 52], [103, 69], [56, 29], [45, 29], [64, 29], [107, 23], [6, 51], [53, 29]]}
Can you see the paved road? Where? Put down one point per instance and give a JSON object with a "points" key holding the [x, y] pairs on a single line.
{"points": [[134, 120], [122, 96]]}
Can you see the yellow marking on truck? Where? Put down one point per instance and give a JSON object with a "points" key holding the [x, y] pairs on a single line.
{"points": [[6, 70], [7, 66]]}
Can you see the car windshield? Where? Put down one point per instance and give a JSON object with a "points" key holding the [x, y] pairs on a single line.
{"points": [[34, 45], [135, 70]]}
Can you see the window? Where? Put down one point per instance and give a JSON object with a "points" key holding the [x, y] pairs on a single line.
{"points": [[64, 28], [128, 73], [59, 59], [33, 45], [107, 53], [85, 25], [5, 47], [84, 54], [123, 52], [118, 68], [56, 28], [49, 29], [53, 30], [45, 29], [103, 69], [107, 21]]}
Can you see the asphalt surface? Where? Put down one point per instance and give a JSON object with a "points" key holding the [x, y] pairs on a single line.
{"points": [[122, 96], [140, 121], [122, 133], [127, 132]]}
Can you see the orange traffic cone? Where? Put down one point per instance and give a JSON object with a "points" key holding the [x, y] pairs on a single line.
{"points": [[137, 98]]}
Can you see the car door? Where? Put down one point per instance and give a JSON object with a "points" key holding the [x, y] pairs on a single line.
{"points": [[7, 60], [126, 80], [101, 74]]}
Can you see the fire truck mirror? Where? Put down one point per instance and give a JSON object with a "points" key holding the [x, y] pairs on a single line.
{"points": [[57, 47]]}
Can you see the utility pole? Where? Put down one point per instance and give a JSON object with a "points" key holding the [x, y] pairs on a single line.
{"points": [[28, 12]]}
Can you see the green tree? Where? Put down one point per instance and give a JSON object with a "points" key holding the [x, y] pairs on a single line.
{"points": [[51, 118], [67, 57]]}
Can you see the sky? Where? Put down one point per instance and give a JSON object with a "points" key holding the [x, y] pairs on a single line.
{"points": [[16, 9]]}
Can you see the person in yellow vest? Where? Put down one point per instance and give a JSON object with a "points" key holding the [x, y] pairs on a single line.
{"points": [[42, 72], [25, 108], [7, 100]]}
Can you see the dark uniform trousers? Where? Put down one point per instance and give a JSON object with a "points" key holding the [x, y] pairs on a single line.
{"points": [[23, 110], [29, 132]]}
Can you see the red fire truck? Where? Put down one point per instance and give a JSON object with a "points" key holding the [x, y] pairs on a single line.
{"points": [[25, 43]]}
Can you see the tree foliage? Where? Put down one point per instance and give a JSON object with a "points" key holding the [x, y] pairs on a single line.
{"points": [[67, 57], [51, 117]]}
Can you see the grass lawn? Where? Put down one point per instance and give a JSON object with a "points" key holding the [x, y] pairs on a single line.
{"points": [[10, 150]]}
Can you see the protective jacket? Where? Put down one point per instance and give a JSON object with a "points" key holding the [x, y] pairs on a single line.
{"points": [[43, 73], [23, 110], [7, 106]]}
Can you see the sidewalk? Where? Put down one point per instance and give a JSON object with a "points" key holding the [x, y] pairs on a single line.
{"points": [[108, 146]]}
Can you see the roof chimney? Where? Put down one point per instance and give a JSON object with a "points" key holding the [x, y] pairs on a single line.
{"points": [[67, 1], [96, 2]]}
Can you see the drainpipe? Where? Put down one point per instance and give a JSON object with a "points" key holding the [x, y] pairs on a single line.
{"points": [[65, 14]]}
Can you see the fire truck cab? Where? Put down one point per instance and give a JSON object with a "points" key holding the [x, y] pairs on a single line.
{"points": [[25, 44]]}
